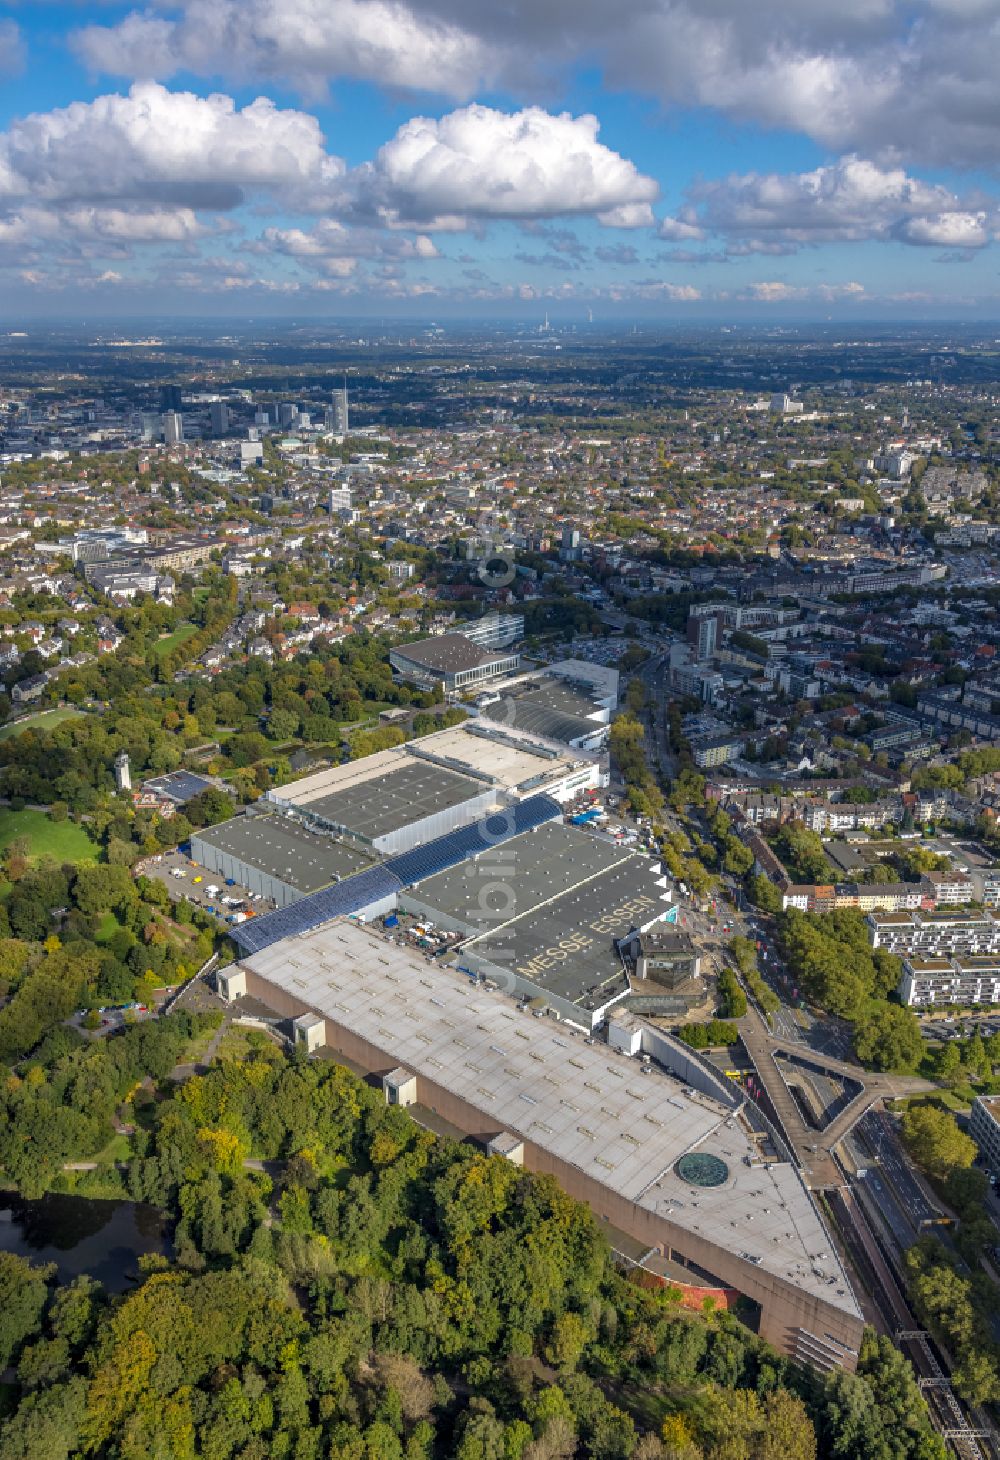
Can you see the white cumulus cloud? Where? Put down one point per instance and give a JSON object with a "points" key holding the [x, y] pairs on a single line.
{"points": [[150, 225], [777, 291], [334, 249], [949, 230], [773, 291], [628, 215], [878, 76], [159, 146], [851, 200], [306, 42], [682, 229], [477, 163]]}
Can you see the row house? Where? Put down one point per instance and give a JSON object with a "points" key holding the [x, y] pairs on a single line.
{"points": [[887, 897]]}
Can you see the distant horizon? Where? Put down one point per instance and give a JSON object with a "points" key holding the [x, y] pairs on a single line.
{"points": [[565, 320]]}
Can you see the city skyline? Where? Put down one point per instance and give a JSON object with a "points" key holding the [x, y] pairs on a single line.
{"points": [[358, 157]]}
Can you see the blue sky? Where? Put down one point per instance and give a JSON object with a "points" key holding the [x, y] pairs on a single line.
{"points": [[667, 159]]}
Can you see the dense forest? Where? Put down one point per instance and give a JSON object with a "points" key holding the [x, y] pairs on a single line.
{"points": [[344, 1284], [246, 719], [85, 937]]}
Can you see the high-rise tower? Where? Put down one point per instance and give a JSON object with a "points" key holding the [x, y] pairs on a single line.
{"points": [[339, 416]]}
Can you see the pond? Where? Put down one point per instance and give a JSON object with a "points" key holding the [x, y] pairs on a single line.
{"points": [[81, 1235]]}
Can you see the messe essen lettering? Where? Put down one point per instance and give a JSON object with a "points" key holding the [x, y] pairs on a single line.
{"points": [[611, 922]]}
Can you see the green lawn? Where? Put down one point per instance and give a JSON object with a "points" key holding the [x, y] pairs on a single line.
{"points": [[118, 1148], [63, 840], [175, 640], [238, 1041], [44, 720], [107, 928], [953, 1100]]}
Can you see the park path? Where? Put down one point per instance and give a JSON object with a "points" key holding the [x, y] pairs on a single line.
{"points": [[184, 1072]]}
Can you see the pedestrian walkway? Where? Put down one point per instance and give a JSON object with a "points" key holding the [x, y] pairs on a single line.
{"points": [[184, 1072], [814, 1148]]}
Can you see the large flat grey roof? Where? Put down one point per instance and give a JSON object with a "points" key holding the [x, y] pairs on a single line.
{"points": [[518, 875], [409, 793], [449, 653], [404, 789], [547, 906], [284, 850], [592, 1109], [566, 945]]}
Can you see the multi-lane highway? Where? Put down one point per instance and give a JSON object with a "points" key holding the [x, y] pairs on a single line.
{"points": [[875, 1132]]}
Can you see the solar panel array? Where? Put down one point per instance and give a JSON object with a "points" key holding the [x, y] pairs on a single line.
{"points": [[338, 901], [455, 846]]}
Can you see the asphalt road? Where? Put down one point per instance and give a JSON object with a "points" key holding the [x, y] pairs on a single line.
{"points": [[876, 1131], [823, 1035], [651, 674]]}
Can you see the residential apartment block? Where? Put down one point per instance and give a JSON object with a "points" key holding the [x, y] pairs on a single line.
{"points": [[984, 1128], [935, 934], [930, 982]]}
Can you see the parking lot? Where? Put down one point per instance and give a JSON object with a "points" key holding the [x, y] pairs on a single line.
{"points": [[187, 882], [963, 853], [606, 652], [959, 1026], [112, 1020]]}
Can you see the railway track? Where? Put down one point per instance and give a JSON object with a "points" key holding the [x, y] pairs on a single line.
{"points": [[970, 1441]]}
